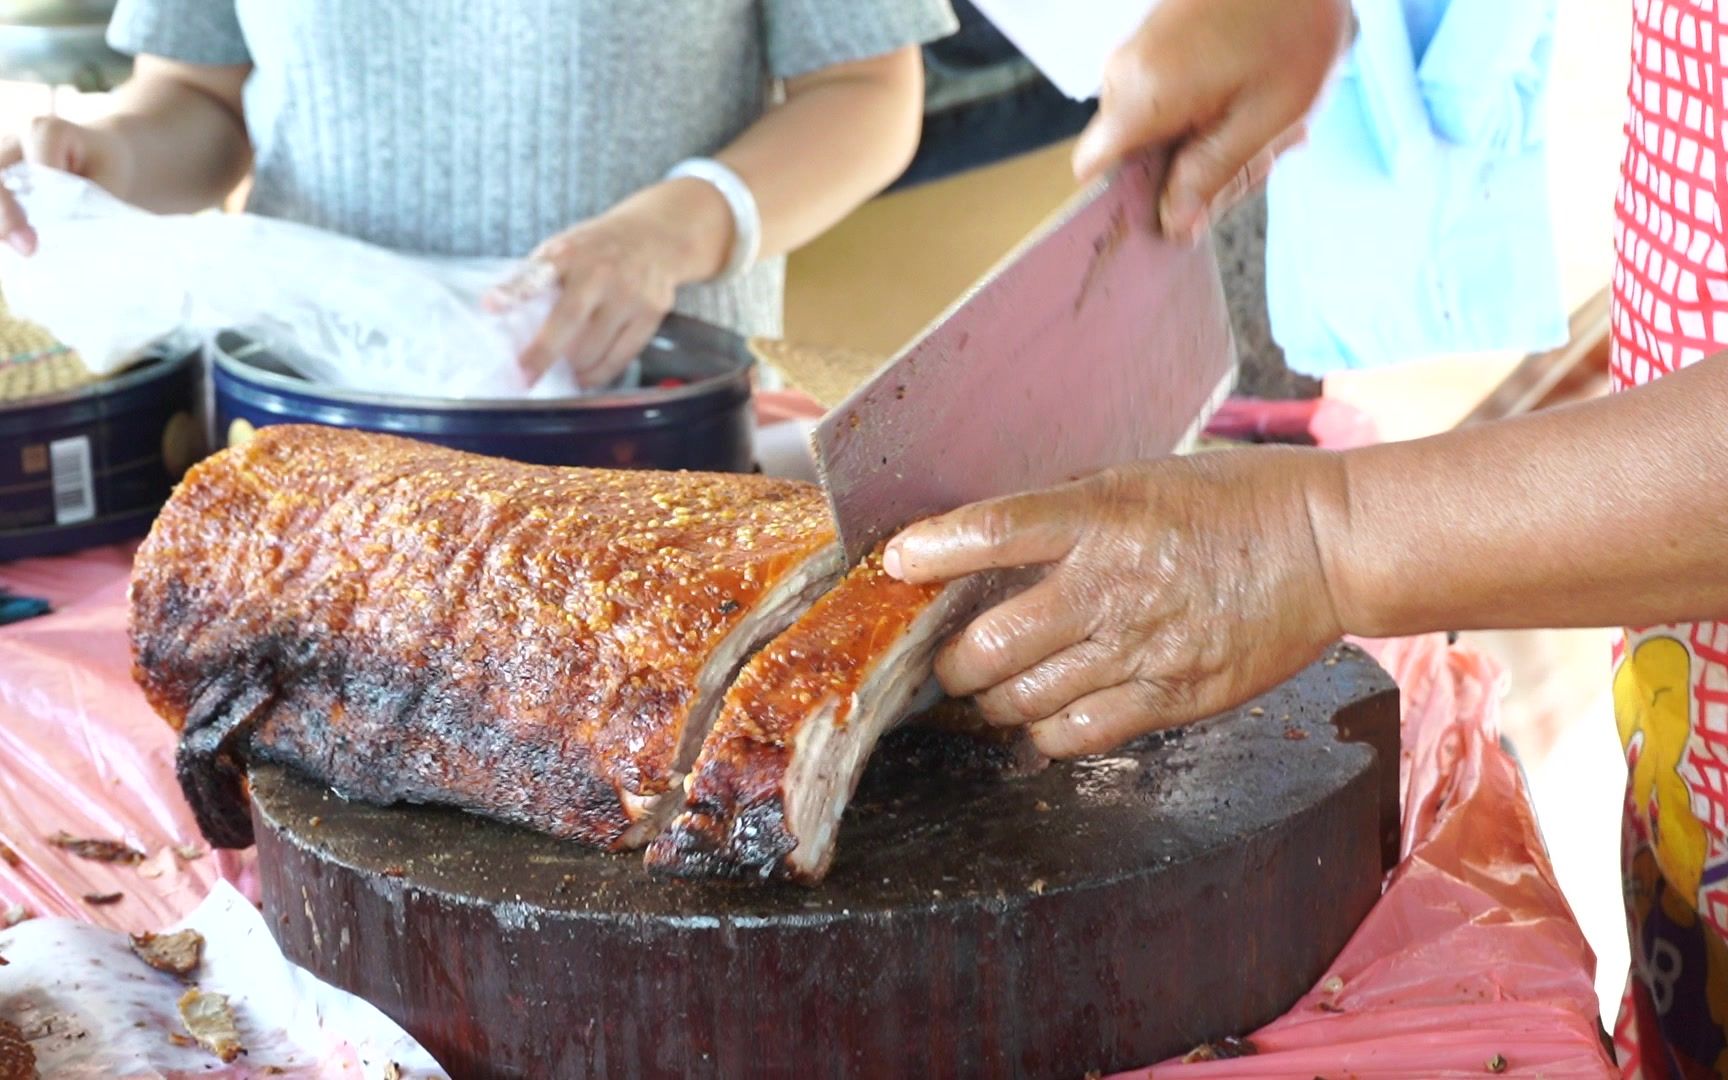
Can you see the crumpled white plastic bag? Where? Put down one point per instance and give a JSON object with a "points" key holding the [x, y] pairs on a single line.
{"points": [[94, 1011], [109, 280]]}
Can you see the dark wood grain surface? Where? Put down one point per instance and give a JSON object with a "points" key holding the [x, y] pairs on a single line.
{"points": [[1101, 915]]}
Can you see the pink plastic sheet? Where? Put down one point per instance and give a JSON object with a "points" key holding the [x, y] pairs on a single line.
{"points": [[1472, 956], [82, 754]]}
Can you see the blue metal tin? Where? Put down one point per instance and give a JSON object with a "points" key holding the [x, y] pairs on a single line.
{"points": [[93, 466], [703, 422]]}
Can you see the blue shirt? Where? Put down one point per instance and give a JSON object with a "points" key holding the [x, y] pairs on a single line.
{"points": [[1415, 222]]}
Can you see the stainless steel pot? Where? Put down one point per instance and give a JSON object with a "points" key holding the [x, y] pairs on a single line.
{"points": [[61, 43]]}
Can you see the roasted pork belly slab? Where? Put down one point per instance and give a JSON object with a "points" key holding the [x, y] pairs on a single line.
{"points": [[767, 794], [545, 646]]}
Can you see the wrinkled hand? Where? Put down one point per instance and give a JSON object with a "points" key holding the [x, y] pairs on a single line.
{"points": [[92, 153], [1228, 81], [1176, 589], [617, 276]]}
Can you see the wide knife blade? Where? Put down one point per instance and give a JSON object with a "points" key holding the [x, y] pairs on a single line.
{"points": [[1095, 342]]}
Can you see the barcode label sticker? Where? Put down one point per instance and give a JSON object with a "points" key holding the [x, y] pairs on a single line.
{"points": [[74, 486]]}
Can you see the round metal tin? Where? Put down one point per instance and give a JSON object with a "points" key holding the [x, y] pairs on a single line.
{"points": [[691, 412], [93, 465]]}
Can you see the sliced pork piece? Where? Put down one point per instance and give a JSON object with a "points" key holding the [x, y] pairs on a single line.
{"points": [[766, 796], [406, 623]]}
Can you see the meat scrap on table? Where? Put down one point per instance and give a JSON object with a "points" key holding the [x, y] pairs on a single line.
{"points": [[210, 1020], [108, 851], [178, 953]]}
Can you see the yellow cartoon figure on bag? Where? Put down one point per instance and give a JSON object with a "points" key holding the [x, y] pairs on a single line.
{"points": [[1653, 707]]}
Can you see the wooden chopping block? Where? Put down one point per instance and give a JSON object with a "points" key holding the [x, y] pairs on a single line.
{"points": [[1101, 915]]}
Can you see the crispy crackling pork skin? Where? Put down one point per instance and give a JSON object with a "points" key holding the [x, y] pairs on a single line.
{"points": [[547, 646], [767, 795]]}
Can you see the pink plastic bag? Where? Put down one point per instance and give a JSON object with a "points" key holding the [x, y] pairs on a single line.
{"points": [[1306, 422], [82, 754], [1471, 962]]}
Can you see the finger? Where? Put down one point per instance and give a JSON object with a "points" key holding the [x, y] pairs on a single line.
{"points": [[1019, 530], [567, 322], [1294, 135], [1252, 176], [536, 276], [1148, 97], [587, 352], [56, 143], [1209, 160], [1047, 687], [1103, 143], [1011, 637], [627, 346], [14, 227], [1104, 720]]}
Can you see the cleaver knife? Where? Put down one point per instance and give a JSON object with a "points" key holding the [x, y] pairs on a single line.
{"points": [[1094, 343]]}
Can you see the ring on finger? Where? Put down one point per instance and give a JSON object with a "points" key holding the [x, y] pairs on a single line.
{"points": [[538, 276]]}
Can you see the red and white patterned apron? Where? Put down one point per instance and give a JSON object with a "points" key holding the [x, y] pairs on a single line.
{"points": [[1671, 682]]}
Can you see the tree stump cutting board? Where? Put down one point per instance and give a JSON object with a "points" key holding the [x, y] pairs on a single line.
{"points": [[1101, 915]]}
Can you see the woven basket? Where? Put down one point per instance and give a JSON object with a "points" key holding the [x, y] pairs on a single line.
{"points": [[33, 363], [826, 374]]}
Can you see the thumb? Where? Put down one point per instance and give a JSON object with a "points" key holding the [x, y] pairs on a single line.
{"points": [[58, 144], [1148, 98], [1101, 146], [15, 230], [1019, 530]]}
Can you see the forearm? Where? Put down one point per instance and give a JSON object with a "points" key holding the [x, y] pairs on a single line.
{"points": [[1609, 513], [841, 136], [183, 137]]}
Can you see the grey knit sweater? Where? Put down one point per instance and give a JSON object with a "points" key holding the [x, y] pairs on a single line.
{"points": [[481, 127]]}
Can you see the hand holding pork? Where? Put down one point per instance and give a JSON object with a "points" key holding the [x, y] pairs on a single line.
{"points": [[1174, 590]]}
